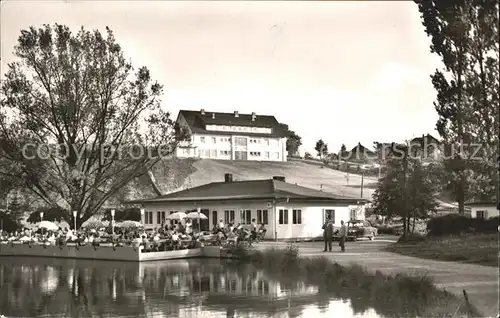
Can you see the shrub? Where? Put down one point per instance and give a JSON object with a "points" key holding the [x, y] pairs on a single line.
{"points": [[448, 225], [453, 224]]}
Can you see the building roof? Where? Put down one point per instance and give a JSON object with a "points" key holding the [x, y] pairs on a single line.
{"points": [[269, 189], [197, 123], [480, 203], [425, 139]]}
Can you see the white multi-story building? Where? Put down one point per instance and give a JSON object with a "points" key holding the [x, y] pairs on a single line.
{"points": [[232, 136]]}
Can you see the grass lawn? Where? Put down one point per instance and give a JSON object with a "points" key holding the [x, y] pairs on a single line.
{"points": [[476, 249]]}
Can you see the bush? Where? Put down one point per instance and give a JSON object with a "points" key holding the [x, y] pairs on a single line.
{"points": [[453, 224]]}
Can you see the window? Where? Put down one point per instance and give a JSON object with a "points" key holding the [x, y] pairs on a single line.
{"points": [[277, 155], [214, 218], [297, 216], [240, 141], [481, 214], [162, 216], [202, 139], [158, 217], [266, 154], [353, 214], [148, 217], [224, 153], [283, 217], [329, 214], [262, 217], [266, 142], [246, 216], [186, 151], [213, 153], [214, 140], [228, 216]]}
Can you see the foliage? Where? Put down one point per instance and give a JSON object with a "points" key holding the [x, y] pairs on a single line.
{"points": [[95, 225], [293, 141], [127, 214], [128, 225], [391, 296], [322, 148], [454, 224], [308, 156], [392, 198], [7, 223], [96, 123], [15, 209], [465, 36], [52, 214]]}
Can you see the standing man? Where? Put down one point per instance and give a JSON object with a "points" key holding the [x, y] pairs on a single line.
{"points": [[328, 234], [343, 236]]}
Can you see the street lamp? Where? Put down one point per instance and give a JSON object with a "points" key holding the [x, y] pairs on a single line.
{"points": [[74, 219], [113, 222], [41, 219]]}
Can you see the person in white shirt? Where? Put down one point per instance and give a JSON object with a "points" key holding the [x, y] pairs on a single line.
{"points": [[189, 227], [221, 224]]}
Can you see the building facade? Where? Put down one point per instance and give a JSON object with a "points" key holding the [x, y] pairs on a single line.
{"points": [[287, 211], [232, 136], [483, 210]]}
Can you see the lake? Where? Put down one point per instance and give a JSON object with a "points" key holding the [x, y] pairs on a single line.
{"points": [[41, 287]]}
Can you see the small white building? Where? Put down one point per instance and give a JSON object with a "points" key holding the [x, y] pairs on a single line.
{"points": [[483, 210], [231, 136], [288, 211]]}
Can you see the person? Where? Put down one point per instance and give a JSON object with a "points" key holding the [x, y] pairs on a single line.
{"points": [[343, 236], [221, 224], [253, 230], [189, 227], [328, 234]]}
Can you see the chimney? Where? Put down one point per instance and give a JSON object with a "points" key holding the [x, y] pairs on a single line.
{"points": [[236, 114], [253, 116], [202, 111], [228, 177], [213, 115], [279, 178]]}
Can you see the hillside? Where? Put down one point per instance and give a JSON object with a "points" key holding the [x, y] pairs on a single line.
{"points": [[177, 174]]}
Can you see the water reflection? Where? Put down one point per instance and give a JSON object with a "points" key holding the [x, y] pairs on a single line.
{"points": [[194, 288]]}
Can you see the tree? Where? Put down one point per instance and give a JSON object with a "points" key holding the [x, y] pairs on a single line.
{"points": [[293, 141], [464, 34], [321, 148], [85, 124], [410, 197], [15, 208]]}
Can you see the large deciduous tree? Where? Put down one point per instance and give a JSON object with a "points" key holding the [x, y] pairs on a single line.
{"points": [[293, 141], [412, 197], [321, 148], [77, 122], [464, 34]]}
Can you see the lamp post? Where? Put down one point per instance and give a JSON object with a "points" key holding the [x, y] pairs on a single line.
{"points": [[41, 219], [142, 216], [113, 222], [74, 220]]}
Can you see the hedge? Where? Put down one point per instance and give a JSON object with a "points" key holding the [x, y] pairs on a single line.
{"points": [[453, 224]]}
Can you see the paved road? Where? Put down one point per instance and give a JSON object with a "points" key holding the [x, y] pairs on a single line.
{"points": [[480, 282]]}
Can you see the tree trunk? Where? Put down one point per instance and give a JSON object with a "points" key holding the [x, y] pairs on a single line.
{"points": [[413, 226]]}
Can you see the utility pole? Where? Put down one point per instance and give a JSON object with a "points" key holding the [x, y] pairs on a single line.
{"points": [[362, 183]]}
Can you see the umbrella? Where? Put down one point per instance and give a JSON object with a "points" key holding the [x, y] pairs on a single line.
{"points": [[48, 226], [196, 215], [177, 216]]}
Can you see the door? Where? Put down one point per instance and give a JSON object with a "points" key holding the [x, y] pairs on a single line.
{"points": [[204, 223], [283, 226], [240, 155]]}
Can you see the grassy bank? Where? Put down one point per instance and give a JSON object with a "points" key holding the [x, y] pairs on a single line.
{"points": [[476, 249], [390, 296]]}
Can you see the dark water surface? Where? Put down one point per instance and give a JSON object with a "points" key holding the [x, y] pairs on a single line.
{"points": [[41, 287]]}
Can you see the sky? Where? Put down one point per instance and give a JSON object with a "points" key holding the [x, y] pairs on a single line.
{"points": [[345, 72]]}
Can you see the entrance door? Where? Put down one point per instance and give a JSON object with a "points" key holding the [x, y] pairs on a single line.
{"points": [[204, 223], [240, 155]]}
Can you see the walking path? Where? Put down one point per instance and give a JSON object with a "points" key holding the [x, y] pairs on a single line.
{"points": [[480, 282]]}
